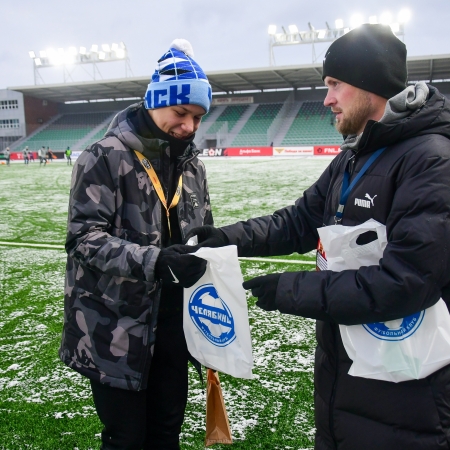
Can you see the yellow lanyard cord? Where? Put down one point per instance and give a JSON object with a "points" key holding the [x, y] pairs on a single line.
{"points": [[158, 188]]}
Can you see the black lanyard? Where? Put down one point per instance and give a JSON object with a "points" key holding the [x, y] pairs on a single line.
{"points": [[345, 191]]}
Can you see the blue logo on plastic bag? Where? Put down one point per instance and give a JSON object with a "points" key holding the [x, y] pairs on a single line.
{"points": [[212, 316], [396, 330]]}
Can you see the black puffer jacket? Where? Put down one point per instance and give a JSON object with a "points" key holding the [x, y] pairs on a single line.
{"points": [[411, 181]]}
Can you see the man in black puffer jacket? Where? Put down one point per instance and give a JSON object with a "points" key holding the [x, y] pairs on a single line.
{"points": [[408, 189]]}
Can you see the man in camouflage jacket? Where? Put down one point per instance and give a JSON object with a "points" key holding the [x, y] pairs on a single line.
{"points": [[125, 272]]}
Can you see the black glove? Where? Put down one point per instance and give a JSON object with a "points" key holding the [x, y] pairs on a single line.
{"points": [[208, 236], [265, 290], [176, 266]]}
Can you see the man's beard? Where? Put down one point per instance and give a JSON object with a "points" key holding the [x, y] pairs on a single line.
{"points": [[356, 116]]}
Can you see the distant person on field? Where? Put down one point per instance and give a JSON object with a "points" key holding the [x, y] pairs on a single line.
{"points": [[408, 185], [8, 156], [25, 154], [42, 153], [68, 156], [135, 194], [49, 155], [31, 156]]}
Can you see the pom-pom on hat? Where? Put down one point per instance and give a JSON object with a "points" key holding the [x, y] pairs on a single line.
{"points": [[369, 57], [178, 80]]}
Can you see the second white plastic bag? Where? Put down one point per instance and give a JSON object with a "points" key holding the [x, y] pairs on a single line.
{"points": [[409, 348], [215, 315]]}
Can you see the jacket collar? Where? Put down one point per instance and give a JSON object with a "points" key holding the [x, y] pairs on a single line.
{"points": [[151, 147], [401, 121]]}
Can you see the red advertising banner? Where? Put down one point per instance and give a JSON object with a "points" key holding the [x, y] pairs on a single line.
{"points": [[248, 151], [18, 156], [326, 150]]}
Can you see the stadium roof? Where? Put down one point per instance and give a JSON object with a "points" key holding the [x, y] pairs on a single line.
{"points": [[426, 68]]}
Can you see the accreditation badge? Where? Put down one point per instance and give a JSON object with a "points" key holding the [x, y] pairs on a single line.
{"points": [[321, 259]]}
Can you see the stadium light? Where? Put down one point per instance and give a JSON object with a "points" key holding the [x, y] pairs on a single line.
{"points": [[313, 36], [52, 57], [404, 16], [120, 53], [272, 29]]}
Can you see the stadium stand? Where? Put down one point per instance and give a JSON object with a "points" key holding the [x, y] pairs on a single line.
{"points": [[290, 123], [254, 132], [230, 115], [67, 130], [99, 134], [255, 107], [313, 124]]}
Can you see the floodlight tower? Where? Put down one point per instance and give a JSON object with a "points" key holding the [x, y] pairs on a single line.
{"points": [[70, 58], [314, 36]]}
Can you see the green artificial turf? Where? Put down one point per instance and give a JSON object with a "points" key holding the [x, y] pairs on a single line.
{"points": [[45, 405]]}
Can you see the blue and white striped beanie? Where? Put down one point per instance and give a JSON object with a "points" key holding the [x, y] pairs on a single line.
{"points": [[178, 80]]}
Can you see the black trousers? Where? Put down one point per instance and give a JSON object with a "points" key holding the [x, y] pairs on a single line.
{"points": [[152, 418]]}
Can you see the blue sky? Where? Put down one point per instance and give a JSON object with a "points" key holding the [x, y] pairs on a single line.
{"points": [[225, 35]]}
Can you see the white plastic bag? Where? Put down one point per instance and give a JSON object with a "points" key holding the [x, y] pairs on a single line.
{"points": [[399, 350], [215, 315]]}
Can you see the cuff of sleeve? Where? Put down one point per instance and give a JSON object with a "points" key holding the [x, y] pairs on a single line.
{"points": [[149, 263], [286, 300]]}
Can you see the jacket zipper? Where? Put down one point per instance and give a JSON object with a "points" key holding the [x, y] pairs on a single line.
{"points": [[351, 164], [351, 168]]}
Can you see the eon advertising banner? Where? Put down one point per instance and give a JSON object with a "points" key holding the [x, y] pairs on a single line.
{"points": [[211, 152], [327, 150], [293, 151], [248, 151]]}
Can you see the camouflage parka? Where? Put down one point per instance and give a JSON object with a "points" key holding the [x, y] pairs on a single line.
{"points": [[114, 237]]}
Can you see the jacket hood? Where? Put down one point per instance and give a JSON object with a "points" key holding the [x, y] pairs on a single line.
{"points": [[429, 117], [121, 128]]}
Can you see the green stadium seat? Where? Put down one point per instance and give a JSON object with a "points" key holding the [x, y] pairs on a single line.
{"points": [[66, 131], [254, 132], [230, 114], [313, 125]]}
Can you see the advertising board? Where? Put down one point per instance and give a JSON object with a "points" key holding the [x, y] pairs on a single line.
{"points": [[326, 150], [248, 151], [293, 151]]}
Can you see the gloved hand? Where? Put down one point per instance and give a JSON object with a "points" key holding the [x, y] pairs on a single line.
{"points": [[208, 236], [264, 288], [176, 266]]}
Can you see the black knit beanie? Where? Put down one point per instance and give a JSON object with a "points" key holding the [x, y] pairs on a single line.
{"points": [[369, 57]]}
